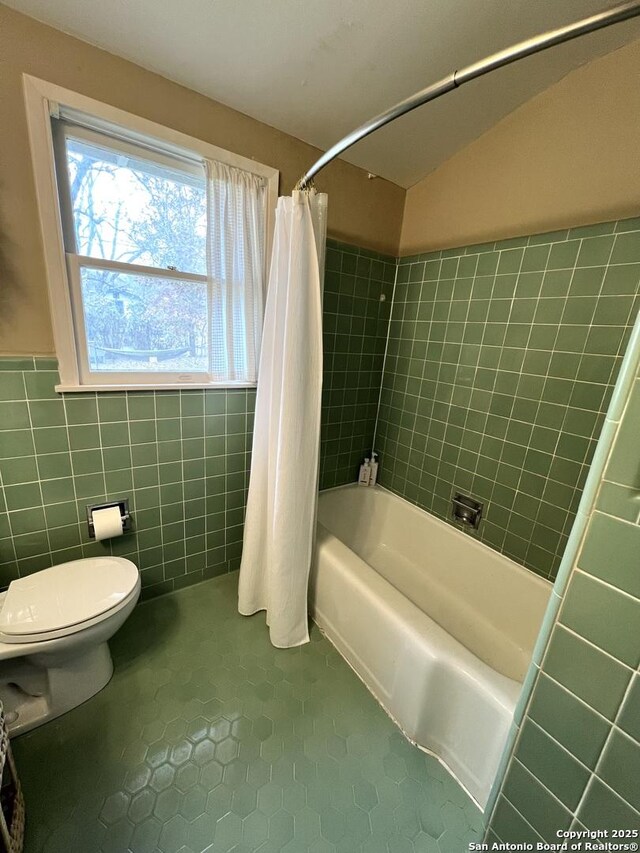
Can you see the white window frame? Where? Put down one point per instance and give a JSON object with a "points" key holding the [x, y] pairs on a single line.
{"points": [[42, 99]]}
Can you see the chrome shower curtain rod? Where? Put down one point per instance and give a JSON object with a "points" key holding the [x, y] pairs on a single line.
{"points": [[615, 15]]}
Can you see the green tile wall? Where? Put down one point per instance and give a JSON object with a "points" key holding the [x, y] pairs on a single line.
{"points": [[357, 300], [576, 762], [182, 459], [501, 363]]}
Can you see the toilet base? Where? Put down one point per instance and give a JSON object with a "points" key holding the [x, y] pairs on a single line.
{"points": [[40, 687]]}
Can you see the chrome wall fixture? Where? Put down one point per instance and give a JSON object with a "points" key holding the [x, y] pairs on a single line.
{"points": [[615, 15], [466, 510]]}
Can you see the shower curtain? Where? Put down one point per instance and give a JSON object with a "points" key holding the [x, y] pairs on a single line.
{"points": [[281, 506]]}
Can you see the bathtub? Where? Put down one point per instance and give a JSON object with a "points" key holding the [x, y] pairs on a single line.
{"points": [[438, 626]]}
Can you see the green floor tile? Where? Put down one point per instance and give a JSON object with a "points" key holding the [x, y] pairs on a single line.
{"points": [[209, 739]]}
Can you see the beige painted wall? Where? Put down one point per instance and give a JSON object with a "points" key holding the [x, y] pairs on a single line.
{"points": [[568, 157], [361, 211]]}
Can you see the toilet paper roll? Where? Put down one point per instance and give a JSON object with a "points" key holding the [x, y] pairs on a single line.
{"points": [[107, 523]]}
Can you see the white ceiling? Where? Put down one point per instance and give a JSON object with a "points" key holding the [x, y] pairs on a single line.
{"points": [[318, 68]]}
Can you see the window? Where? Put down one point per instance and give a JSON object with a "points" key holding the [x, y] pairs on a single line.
{"points": [[135, 230], [161, 242]]}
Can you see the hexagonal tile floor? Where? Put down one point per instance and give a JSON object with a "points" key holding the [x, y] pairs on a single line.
{"points": [[209, 739]]}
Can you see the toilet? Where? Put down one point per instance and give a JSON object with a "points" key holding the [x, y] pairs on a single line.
{"points": [[54, 628]]}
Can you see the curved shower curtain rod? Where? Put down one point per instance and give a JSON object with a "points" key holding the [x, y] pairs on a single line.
{"points": [[615, 15]]}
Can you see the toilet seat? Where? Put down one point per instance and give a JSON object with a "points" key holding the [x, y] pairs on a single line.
{"points": [[67, 598]]}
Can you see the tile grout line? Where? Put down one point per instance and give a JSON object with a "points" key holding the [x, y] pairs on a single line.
{"points": [[594, 772]]}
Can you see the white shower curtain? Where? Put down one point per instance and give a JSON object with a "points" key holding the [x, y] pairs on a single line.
{"points": [[281, 507]]}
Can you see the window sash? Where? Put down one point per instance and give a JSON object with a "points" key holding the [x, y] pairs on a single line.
{"points": [[125, 137], [75, 263], [192, 173], [141, 269]]}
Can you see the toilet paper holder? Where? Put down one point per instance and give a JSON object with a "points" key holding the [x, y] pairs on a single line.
{"points": [[124, 515]]}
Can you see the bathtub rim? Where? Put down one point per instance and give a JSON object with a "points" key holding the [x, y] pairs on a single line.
{"points": [[545, 583]]}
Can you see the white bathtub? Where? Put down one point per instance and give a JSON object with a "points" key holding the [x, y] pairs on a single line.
{"points": [[438, 626]]}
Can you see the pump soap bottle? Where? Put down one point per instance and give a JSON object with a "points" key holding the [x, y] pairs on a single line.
{"points": [[373, 474], [365, 473]]}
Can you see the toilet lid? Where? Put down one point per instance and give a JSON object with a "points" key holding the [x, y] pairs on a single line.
{"points": [[66, 595]]}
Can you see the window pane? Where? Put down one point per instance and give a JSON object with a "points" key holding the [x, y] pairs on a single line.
{"points": [[131, 210], [144, 323]]}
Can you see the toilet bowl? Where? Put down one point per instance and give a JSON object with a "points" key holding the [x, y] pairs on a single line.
{"points": [[54, 628]]}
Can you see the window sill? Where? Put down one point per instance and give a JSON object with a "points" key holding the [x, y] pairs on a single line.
{"points": [[176, 386]]}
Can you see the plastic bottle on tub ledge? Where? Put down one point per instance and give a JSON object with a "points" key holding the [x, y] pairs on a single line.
{"points": [[373, 473], [365, 473]]}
